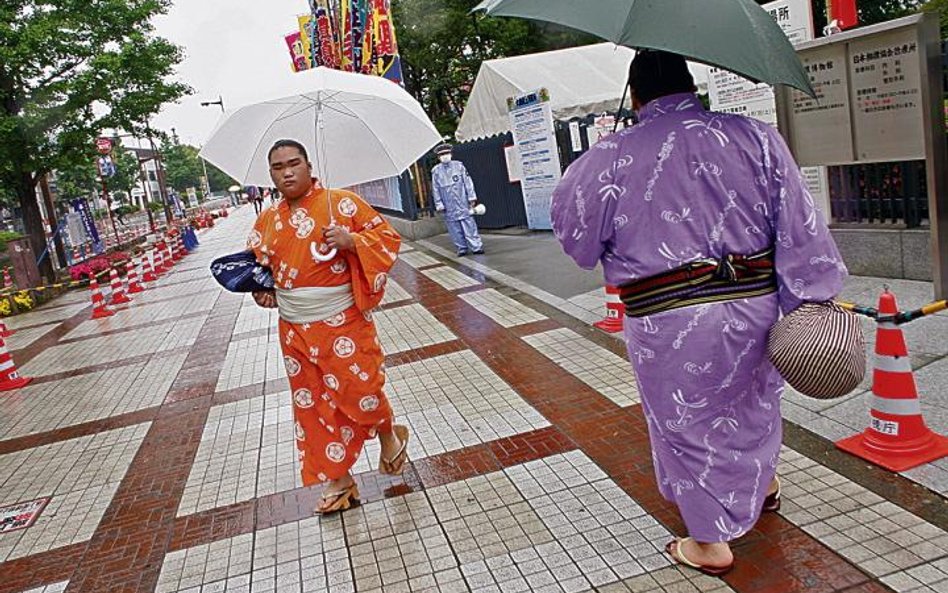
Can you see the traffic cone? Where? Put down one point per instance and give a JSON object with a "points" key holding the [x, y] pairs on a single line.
{"points": [[897, 438], [99, 307], [612, 323], [9, 377], [5, 332], [118, 290], [160, 267], [131, 273], [148, 275]]}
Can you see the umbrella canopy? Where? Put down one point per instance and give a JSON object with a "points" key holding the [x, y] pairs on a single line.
{"points": [[737, 35], [356, 128]]}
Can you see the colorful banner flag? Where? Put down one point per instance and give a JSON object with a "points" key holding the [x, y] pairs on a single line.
{"points": [[306, 23], [351, 35], [295, 45]]}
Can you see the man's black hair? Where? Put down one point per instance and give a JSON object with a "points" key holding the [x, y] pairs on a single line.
{"points": [[655, 73], [288, 144]]}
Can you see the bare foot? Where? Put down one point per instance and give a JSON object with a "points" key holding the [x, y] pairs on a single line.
{"points": [[391, 444]]}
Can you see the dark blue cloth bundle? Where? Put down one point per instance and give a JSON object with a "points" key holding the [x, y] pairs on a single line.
{"points": [[240, 272]]}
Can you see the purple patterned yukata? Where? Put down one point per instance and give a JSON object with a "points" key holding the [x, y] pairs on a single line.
{"points": [[686, 184]]}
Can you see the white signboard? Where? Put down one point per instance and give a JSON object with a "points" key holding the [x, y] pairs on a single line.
{"points": [[531, 120], [192, 198], [575, 137], [825, 120], [886, 96], [730, 93], [383, 193]]}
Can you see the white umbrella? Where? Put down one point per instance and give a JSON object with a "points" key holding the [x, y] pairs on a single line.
{"points": [[357, 128]]}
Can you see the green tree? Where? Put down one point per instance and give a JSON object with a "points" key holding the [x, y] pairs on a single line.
{"points": [[182, 167], [442, 46], [76, 181], [127, 173], [218, 180], [57, 61]]}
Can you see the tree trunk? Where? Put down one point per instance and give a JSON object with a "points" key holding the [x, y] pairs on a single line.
{"points": [[53, 222], [33, 223]]}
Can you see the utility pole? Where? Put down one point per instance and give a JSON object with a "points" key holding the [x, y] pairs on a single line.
{"points": [[161, 176]]}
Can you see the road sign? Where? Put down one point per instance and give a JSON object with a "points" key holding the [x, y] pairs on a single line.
{"points": [[103, 145]]}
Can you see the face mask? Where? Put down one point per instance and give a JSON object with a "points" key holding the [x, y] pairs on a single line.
{"points": [[444, 158]]}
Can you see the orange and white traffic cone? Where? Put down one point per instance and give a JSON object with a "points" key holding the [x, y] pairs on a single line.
{"points": [[131, 273], [612, 323], [118, 289], [5, 332], [148, 275], [897, 438], [181, 245], [99, 307], [160, 266], [9, 377]]}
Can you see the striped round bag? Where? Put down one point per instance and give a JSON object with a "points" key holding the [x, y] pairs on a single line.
{"points": [[819, 349]]}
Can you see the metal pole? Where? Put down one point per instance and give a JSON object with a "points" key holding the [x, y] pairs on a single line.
{"points": [[108, 208], [936, 165], [144, 178], [161, 178]]}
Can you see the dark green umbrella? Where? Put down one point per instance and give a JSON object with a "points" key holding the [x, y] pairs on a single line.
{"points": [[736, 35]]}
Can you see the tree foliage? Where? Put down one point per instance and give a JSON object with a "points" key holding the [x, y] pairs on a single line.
{"points": [[69, 69], [182, 167], [941, 7], [442, 46]]}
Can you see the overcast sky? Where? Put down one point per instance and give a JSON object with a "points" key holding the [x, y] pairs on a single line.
{"points": [[233, 48]]}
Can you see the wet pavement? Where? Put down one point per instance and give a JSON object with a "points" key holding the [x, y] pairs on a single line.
{"points": [[163, 440]]}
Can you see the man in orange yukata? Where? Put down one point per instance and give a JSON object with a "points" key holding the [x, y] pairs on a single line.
{"points": [[330, 346]]}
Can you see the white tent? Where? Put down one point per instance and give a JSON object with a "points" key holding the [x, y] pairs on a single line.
{"points": [[581, 80]]}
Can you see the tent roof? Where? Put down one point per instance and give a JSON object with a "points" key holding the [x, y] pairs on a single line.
{"points": [[581, 80]]}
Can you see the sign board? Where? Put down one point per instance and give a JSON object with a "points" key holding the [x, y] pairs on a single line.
{"points": [[192, 198], [531, 119], [21, 515], [103, 145], [869, 105], [384, 193], [513, 164], [575, 137], [81, 207], [75, 229], [886, 96], [880, 100], [730, 93]]}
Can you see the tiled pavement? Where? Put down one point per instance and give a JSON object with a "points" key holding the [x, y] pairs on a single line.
{"points": [[163, 440]]}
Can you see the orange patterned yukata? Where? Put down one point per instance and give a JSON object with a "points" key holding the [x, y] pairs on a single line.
{"points": [[335, 365]]}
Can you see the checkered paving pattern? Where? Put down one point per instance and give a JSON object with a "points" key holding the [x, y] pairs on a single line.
{"points": [[251, 361], [877, 536], [168, 287], [255, 318], [409, 327], [449, 402], [41, 407], [24, 337], [502, 309], [557, 524], [80, 475], [394, 293], [160, 312], [115, 348], [595, 366], [455, 401], [417, 259], [450, 278], [45, 315]]}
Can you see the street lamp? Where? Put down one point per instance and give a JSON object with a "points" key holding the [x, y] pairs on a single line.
{"points": [[220, 101], [207, 180]]}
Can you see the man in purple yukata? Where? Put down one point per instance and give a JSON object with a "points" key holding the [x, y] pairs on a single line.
{"points": [[704, 222]]}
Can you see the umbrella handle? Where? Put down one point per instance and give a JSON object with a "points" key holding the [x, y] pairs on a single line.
{"points": [[319, 256]]}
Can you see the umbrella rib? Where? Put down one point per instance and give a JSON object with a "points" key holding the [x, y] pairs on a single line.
{"points": [[264, 135]]}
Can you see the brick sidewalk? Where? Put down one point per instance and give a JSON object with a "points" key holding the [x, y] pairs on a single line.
{"points": [[163, 439]]}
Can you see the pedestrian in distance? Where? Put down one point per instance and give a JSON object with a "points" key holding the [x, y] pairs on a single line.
{"points": [[330, 254], [704, 221], [454, 196]]}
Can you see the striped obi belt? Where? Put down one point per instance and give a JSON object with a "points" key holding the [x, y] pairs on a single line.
{"points": [[702, 281]]}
